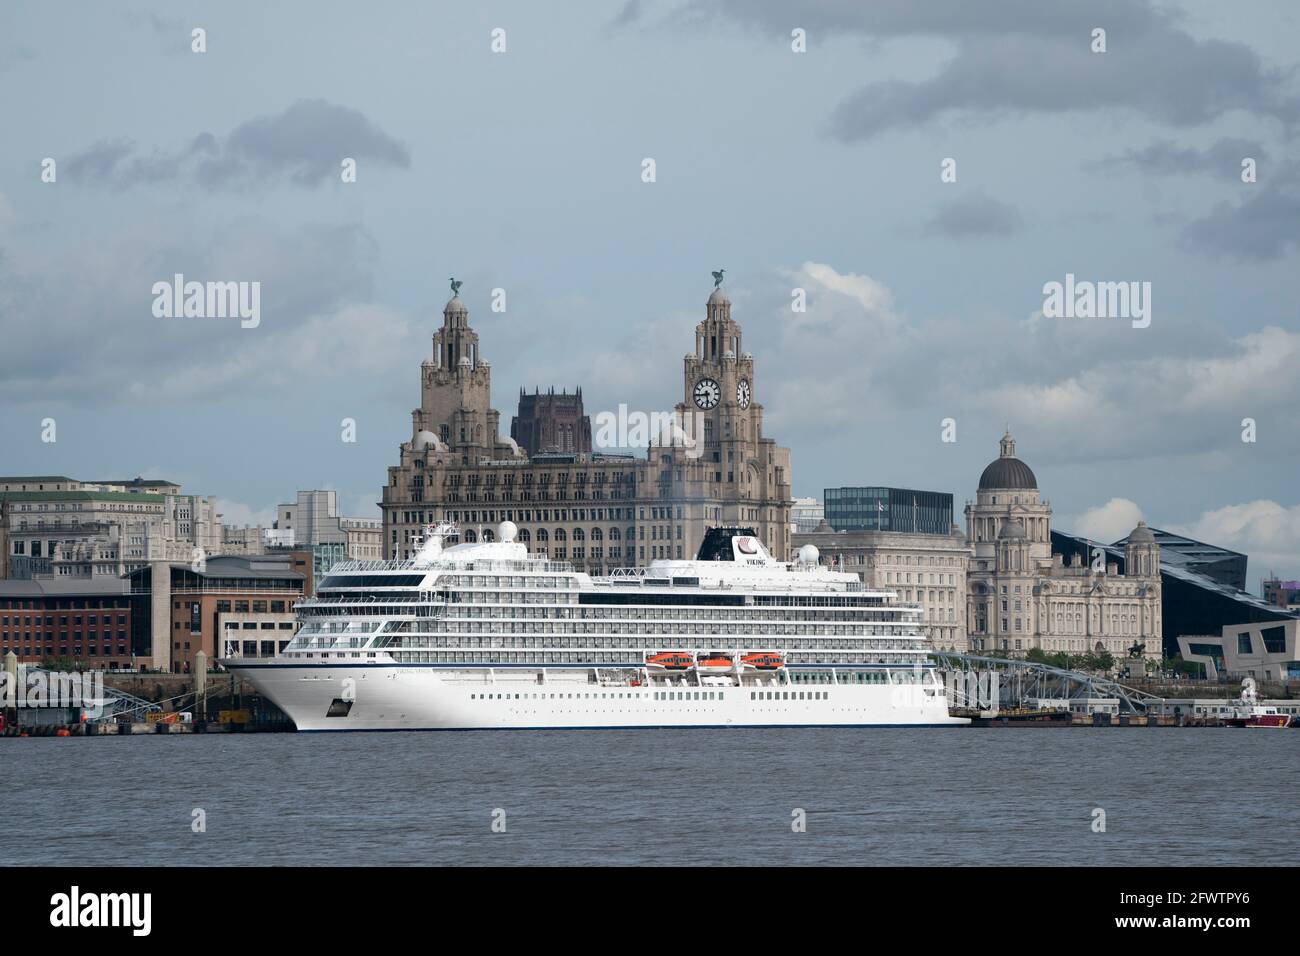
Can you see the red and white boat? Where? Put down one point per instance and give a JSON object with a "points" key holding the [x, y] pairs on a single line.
{"points": [[1251, 713]]}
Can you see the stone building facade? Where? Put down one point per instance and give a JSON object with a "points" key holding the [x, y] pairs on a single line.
{"points": [[69, 528], [924, 569], [600, 511], [548, 423], [1022, 596]]}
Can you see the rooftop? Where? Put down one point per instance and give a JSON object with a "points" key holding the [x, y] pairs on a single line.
{"points": [[135, 497], [59, 585]]}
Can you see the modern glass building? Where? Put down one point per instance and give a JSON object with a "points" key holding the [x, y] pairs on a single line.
{"points": [[889, 509]]}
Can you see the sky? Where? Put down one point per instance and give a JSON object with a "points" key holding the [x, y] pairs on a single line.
{"points": [[522, 169]]}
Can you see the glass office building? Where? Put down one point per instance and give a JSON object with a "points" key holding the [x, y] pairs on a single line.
{"points": [[889, 509]]}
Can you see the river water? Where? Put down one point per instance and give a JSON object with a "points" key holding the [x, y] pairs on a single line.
{"points": [[967, 796]]}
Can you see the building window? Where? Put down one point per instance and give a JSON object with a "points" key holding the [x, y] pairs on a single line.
{"points": [[1274, 639]]}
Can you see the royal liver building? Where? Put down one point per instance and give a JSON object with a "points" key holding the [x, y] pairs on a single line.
{"points": [[1022, 596], [598, 510]]}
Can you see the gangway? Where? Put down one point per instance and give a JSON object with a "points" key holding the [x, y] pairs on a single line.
{"points": [[1021, 680]]}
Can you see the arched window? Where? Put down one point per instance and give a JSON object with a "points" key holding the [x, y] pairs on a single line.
{"points": [[560, 535], [523, 536], [597, 534], [543, 536], [488, 535], [613, 534], [470, 537], [579, 534]]}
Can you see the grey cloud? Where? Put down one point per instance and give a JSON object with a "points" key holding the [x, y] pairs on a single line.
{"points": [[1264, 226], [896, 18], [972, 216], [1035, 58], [1221, 158], [629, 14], [305, 273], [304, 145]]}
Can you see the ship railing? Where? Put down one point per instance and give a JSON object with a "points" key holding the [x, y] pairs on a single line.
{"points": [[311, 642], [334, 627], [372, 564]]}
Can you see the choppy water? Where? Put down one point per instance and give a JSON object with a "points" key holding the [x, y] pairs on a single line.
{"points": [[946, 797]]}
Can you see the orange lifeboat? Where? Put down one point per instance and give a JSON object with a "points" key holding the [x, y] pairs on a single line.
{"points": [[715, 663], [670, 660], [763, 660]]}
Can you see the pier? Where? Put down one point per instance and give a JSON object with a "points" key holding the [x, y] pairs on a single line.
{"points": [[1005, 692]]}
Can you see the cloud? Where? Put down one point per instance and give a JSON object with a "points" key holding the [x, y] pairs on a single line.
{"points": [[974, 216], [1109, 522], [238, 515], [318, 321], [304, 145], [1265, 530], [1078, 390], [1023, 57], [1264, 226], [1221, 158], [628, 14]]}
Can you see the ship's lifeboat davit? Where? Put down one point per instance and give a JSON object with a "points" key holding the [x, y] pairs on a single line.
{"points": [[715, 663], [762, 661], [670, 661]]}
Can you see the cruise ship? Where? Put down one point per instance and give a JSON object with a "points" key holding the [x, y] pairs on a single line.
{"points": [[485, 635]]}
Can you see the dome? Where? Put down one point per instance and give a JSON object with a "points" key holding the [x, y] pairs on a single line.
{"points": [[1007, 471], [809, 554], [719, 297], [426, 439], [1141, 534], [454, 304], [507, 531], [1014, 528]]}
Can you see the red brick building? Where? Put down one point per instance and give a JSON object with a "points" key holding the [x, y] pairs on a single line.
{"points": [[99, 625]]}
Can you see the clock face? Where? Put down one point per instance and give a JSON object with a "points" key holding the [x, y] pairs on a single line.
{"points": [[706, 393], [742, 392]]}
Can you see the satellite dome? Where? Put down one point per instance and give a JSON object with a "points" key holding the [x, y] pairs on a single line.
{"points": [[507, 530], [809, 554]]}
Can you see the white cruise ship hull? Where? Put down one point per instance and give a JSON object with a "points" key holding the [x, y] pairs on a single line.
{"points": [[379, 697]]}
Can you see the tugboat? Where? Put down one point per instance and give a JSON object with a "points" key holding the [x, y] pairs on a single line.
{"points": [[1250, 713]]}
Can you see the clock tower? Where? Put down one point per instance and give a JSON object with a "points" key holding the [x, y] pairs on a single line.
{"points": [[747, 474]]}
